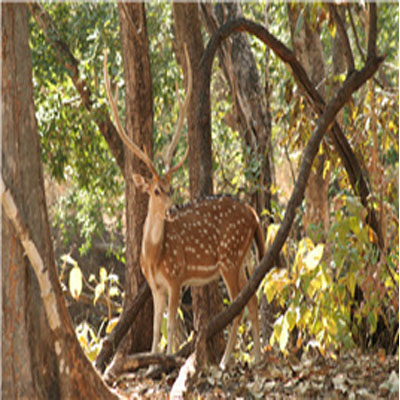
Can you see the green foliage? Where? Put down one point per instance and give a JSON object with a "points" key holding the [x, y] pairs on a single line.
{"points": [[318, 292], [73, 150]]}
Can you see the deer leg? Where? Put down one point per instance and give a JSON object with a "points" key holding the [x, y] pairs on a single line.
{"points": [[231, 280], [173, 303], [159, 306], [252, 306]]}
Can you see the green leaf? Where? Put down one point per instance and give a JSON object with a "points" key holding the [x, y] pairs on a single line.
{"points": [[75, 282]]}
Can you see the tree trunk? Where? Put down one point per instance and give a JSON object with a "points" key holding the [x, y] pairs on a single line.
{"points": [[241, 73], [41, 356], [308, 49], [206, 300], [253, 118], [139, 125]]}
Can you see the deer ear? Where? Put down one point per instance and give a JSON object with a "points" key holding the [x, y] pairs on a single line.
{"points": [[140, 182]]}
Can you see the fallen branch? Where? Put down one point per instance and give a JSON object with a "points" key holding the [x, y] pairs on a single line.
{"points": [[131, 363]]}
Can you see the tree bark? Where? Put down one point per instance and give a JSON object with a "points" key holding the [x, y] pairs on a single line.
{"points": [[241, 72], [41, 356], [139, 125], [308, 50], [206, 300]]}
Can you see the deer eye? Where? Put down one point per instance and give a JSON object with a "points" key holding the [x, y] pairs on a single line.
{"points": [[157, 191]]}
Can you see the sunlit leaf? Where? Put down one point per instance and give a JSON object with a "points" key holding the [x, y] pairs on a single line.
{"points": [[103, 274], [111, 325], [75, 282], [99, 290], [284, 336], [313, 258]]}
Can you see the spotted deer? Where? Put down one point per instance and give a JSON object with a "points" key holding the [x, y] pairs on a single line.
{"points": [[192, 244]]}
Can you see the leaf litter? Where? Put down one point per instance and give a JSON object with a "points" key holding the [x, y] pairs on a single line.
{"points": [[351, 376]]}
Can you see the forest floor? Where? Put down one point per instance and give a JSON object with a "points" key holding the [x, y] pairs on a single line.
{"points": [[352, 376]]}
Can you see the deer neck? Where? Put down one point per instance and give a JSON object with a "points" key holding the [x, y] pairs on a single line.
{"points": [[153, 237]]}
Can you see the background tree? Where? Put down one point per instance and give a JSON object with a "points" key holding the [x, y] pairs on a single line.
{"points": [[139, 123], [206, 300]]}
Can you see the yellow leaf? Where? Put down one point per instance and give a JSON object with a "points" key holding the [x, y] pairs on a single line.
{"points": [[313, 258], [75, 282], [275, 282], [351, 283], [103, 274], [111, 325], [99, 290], [271, 233], [291, 317], [327, 167], [284, 336]]}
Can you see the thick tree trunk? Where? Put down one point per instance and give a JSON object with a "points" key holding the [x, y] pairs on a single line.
{"points": [[139, 125], [206, 300], [41, 356]]}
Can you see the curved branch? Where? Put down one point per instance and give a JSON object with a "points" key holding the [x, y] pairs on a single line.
{"points": [[342, 146], [326, 119]]}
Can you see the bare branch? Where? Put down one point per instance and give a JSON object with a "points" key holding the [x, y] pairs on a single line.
{"points": [[372, 31], [344, 38], [182, 114], [353, 27]]}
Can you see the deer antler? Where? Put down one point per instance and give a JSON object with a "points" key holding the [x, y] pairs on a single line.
{"points": [[182, 113], [121, 131]]}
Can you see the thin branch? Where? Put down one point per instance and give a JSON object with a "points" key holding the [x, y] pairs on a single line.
{"points": [[353, 27], [372, 32], [344, 38], [111, 342]]}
